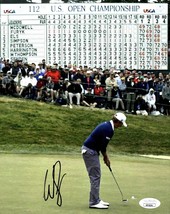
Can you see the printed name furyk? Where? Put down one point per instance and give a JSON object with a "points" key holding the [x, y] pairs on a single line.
{"points": [[54, 189]]}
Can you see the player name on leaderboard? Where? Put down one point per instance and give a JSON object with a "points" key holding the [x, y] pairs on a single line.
{"points": [[133, 36]]}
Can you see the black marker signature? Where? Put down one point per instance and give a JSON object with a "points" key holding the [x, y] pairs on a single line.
{"points": [[54, 189]]}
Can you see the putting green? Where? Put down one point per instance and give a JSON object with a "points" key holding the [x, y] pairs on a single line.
{"points": [[22, 184]]}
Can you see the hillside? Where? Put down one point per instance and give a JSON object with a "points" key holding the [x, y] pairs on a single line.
{"points": [[35, 127]]}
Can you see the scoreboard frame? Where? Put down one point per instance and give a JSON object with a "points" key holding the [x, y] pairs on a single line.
{"points": [[125, 35]]}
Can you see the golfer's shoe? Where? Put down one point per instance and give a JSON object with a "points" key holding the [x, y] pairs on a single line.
{"points": [[104, 203], [98, 206]]}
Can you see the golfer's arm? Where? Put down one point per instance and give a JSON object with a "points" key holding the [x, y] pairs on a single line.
{"points": [[104, 154], [106, 158]]}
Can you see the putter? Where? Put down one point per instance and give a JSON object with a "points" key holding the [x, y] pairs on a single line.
{"points": [[123, 200]]}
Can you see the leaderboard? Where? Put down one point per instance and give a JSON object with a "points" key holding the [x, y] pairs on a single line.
{"points": [[133, 36]]}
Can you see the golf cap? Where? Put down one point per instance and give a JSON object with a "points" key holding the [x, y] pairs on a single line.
{"points": [[121, 117]]}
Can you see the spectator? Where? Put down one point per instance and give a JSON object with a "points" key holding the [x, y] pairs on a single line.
{"points": [[88, 82], [104, 76], [150, 99], [142, 86], [78, 75], [55, 75], [39, 71], [15, 69], [2, 64], [6, 67], [99, 95], [66, 83], [40, 88], [140, 106], [166, 97], [28, 86], [110, 83], [66, 74], [150, 80], [117, 99], [158, 86], [17, 81], [130, 95], [88, 99], [96, 79], [122, 89], [74, 90], [118, 79], [49, 90], [1, 77], [8, 85], [98, 89], [62, 99], [43, 64]]}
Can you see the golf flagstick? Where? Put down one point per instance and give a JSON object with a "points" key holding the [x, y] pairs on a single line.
{"points": [[123, 200]]}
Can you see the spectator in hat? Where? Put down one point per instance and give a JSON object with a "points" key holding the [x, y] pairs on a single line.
{"points": [[41, 82], [88, 82], [150, 99], [55, 75], [40, 71], [99, 95]]}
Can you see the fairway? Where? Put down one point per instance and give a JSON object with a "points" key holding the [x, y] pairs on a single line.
{"points": [[22, 184]]}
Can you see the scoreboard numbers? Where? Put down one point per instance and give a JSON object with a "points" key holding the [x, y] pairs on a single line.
{"points": [[133, 36]]}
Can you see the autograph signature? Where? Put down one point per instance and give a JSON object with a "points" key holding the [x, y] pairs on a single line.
{"points": [[54, 189]]}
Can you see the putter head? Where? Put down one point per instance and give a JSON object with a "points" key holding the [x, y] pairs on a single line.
{"points": [[125, 200]]}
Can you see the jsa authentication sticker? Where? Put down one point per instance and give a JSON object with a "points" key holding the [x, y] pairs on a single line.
{"points": [[149, 203]]}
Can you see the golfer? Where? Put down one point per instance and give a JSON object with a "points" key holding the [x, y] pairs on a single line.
{"points": [[97, 142]]}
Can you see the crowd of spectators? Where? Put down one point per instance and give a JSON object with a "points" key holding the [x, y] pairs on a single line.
{"points": [[132, 91]]}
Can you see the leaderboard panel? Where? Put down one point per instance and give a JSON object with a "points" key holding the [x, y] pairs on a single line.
{"points": [[133, 36]]}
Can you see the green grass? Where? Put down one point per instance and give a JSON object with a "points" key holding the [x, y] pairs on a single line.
{"points": [[22, 180], [34, 135], [35, 127]]}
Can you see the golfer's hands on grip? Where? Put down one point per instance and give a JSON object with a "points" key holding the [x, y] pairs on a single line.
{"points": [[106, 160]]}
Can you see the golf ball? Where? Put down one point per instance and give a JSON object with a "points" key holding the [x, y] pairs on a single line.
{"points": [[133, 197]]}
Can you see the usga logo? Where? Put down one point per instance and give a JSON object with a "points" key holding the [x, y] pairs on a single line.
{"points": [[9, 11], [148, 10]]}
